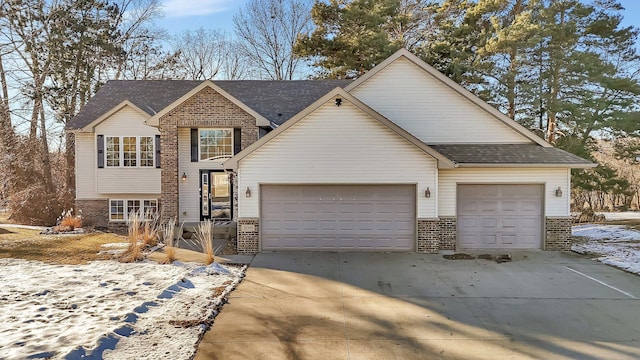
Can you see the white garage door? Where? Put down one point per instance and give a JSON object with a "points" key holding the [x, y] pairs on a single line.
{"points": [[500, 216], [338, 217]]}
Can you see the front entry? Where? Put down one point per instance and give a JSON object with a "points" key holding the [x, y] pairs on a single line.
{"points": [[215, 196]]}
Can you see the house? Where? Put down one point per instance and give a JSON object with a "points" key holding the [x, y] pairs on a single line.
{"points": [[402, 159]]}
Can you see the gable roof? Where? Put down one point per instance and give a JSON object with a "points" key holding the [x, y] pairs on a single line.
{"points": [[443, 162], [149, 96], [274, 100], [404, 53], [512, 155], [90, 127]]}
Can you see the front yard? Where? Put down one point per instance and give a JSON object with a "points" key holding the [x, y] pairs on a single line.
{"points": [[58, 302]]}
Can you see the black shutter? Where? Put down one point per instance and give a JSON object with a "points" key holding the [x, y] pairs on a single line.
{"points": [[194, 145], [237, 141], [158, 151], [100, 142]]}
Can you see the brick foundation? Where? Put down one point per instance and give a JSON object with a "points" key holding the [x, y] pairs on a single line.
{"points": [[248, 236], [428, 236], [447, 228], [119, 227], [557, 234], [94, 212]]}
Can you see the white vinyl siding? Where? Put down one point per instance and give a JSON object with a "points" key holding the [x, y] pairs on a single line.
{"points": [[86, 166], [550, 178], [430, 110], [189, 198], [94, 183], [337, 145]]}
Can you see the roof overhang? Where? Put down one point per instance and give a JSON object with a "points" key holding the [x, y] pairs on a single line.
{"points": [[155, 119], [443, 162], [452, 85], [90, 128], [520, 165]]}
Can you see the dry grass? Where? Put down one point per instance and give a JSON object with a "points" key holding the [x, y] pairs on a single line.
{"points": [[631, 223], [28, 244], [204, 237], [134, 250], [167, 233]]}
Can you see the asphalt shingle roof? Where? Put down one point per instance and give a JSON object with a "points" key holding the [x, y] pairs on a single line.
{"points": [[507, 154], [276, 100]]}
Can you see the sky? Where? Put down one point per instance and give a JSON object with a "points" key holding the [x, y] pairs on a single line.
{"points": [[181, 15]]}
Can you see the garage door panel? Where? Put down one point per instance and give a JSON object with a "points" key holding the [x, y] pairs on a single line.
{"points": [[327, 217], [500, 216]]}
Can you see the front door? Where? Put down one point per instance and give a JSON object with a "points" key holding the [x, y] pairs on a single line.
{"points": [[215, 195]]}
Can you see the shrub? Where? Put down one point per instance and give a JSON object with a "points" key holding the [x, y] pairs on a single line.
{"points": [[68, 221], [35, 206]]}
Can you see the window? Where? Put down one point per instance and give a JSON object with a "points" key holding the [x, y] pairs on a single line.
{"points": [[215, 143], [146, 151], [116, 210], [134, 151], [113, 151], [129, 150], [120, 210]]}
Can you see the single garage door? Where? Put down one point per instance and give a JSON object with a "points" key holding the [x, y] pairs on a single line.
{"points": [[500, 216], [338, 217]]}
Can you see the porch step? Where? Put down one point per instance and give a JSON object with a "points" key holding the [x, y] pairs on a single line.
{"points": [[221, 229]]}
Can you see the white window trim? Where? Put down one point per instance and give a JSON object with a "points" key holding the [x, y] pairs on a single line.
{"points": [[138, 155], [126, 213], [231, 130]]}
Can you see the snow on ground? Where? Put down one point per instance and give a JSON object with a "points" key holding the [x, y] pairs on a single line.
{"points": [[623, 215], [107, 309], [615, 245]]}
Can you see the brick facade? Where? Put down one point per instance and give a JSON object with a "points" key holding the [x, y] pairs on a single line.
{"points": [[94, 212], [557, 234], [248, 236], [428, 236], [207, 108]]}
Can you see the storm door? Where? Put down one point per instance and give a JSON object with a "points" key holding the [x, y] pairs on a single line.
{"points": [[215, 195]]}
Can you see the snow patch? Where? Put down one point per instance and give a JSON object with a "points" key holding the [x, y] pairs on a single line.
{"points": [[107, 309], [614, 245]]}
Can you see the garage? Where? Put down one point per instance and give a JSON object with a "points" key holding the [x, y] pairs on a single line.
{"points": [[338, 217], [500, 216]]}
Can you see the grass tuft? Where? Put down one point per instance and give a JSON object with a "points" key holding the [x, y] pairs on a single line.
{"points": [[167, 231], [134, 250], [204, 237]]}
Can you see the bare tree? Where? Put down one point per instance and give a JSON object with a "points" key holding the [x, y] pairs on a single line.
{"points": [[268, 30], [200, 53], [208, 54]]}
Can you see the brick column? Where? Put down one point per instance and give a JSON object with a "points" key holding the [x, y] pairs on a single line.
{"points": [[557, 234], [248, 236], [169, 170], [428, 236], [447, 226]]}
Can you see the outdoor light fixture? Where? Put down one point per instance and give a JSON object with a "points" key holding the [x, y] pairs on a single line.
{"points": [[184, 176], [248, 192], [338, 101], [558, 192], [427, 193]]}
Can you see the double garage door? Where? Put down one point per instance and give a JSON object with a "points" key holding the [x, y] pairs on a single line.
{"points": [[338, 217], [500, 216]]}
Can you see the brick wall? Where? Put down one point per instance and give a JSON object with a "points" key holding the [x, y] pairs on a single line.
{"points": [[557, 234], [447, 228], [248, 236], [207, 108], [94, 212], [428, 236]]}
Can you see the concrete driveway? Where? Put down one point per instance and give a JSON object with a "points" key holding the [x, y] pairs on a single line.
{"points": [[329, 305]]}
